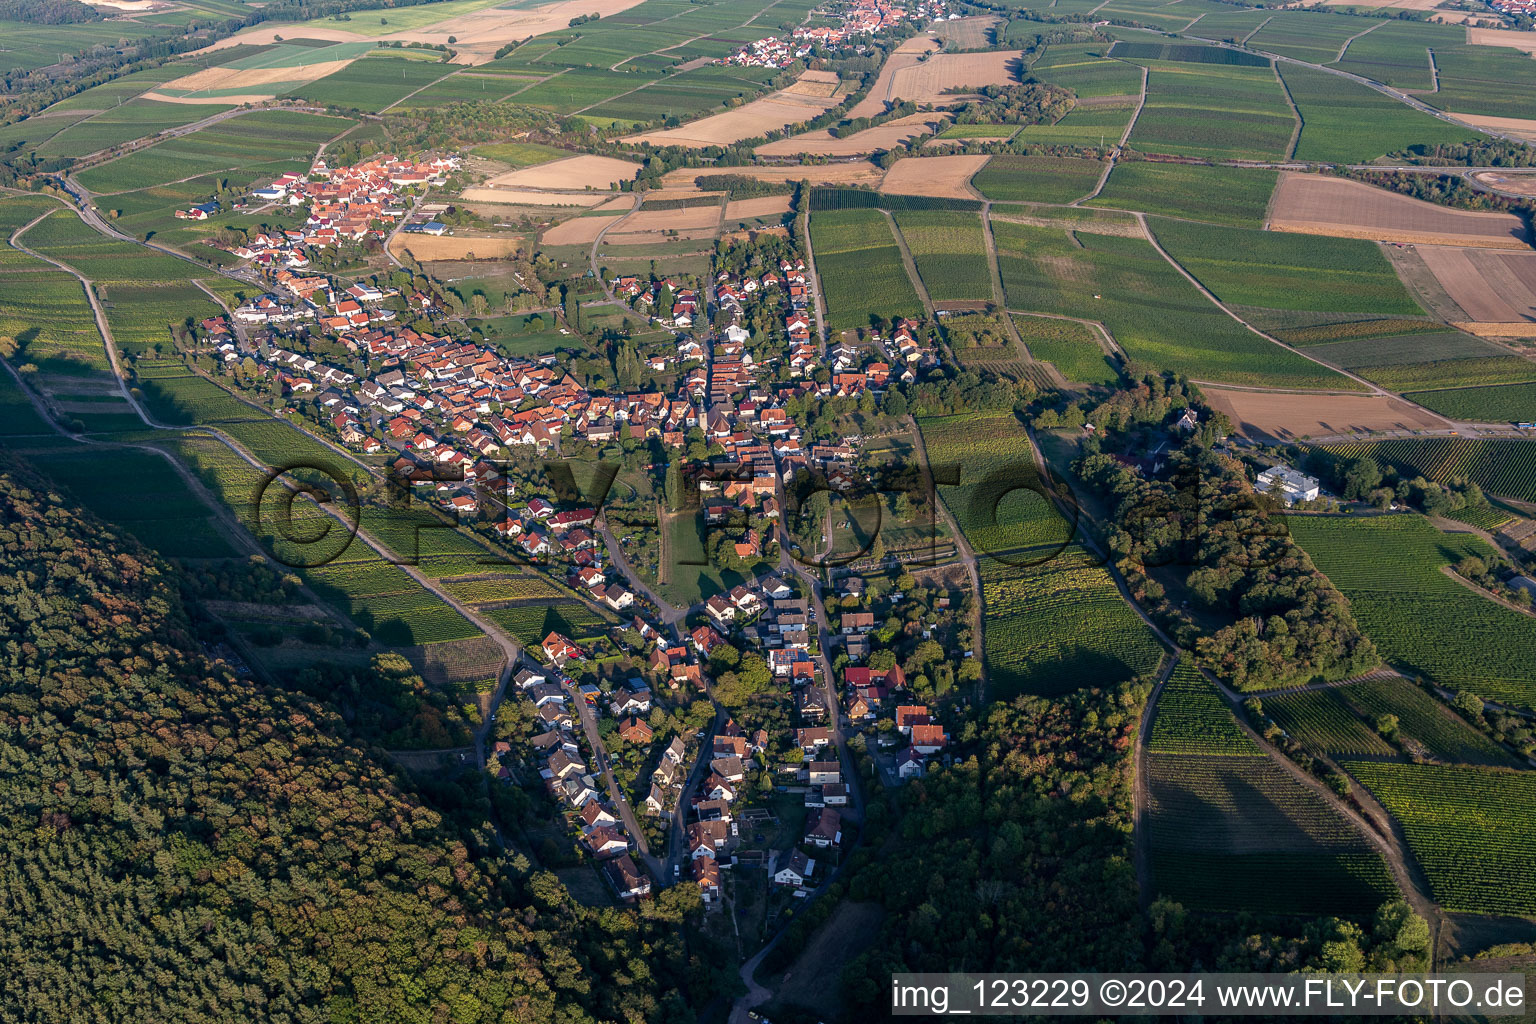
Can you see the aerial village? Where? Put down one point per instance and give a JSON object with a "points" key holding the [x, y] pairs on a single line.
{"points": [[859, 18], [444, 411]]}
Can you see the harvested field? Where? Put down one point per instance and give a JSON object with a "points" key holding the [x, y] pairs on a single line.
{"points": [[1520, 127], [457, 247], [822, 143], [577, 172], [907, 55], [967, 33], [860, 173], [580, 231], [654, 238], [523, 197], [815, 83], [621, 202], [944, 176], [1493, 287], [763, 206], [927, 82], [1317, 205], [267, 35], [1502, 37], [479, 34], [803, 101], [689, 218], [241, 85], [1281, 416]]}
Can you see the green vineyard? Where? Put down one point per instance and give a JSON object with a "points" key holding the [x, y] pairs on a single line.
{"points": [[1391, 569], [1241, 832], [1192, 719], [1499, 466], [1472, 829]]}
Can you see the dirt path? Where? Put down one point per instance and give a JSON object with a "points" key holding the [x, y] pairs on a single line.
{"points": [[1141, 794], [810, 272], [1345, 44], [963, 549], [1290, 147], [911, 265], [1114, 155], [1373, 821]]}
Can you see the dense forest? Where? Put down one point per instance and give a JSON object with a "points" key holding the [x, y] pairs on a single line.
{"points": [[180, 844]]}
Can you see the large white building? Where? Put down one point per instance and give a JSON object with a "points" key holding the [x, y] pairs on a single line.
{"points": [[1292, 485]]}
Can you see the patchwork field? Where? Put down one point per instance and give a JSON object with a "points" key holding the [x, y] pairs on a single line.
{"points": [[1071, 347], [1345, 122], [861, 271], [241, 145], [1157, 316], [1392, 570], [1499, 466], [572, 173], [1191, 718], [1322, 205], [1491, 286], [810, 96], [1280, 271], [1056, 623], [1342, 721], [950, 253], [859, 172], [908, 54], [1220, 195], [1040, 179], [870, 140], [1279, 415], [1473, 830], [1213, 112]]}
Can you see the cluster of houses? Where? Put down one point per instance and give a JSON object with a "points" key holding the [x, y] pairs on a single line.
{"points": [[564, 772], [343, 204], [859, 18]]}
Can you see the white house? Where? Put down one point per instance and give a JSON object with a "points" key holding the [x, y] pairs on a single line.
{"points": [[797, 872], [1293, 486]]}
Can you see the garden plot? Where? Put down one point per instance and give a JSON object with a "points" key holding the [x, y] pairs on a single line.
{"points": [[1318, 205], [808, 97]]}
